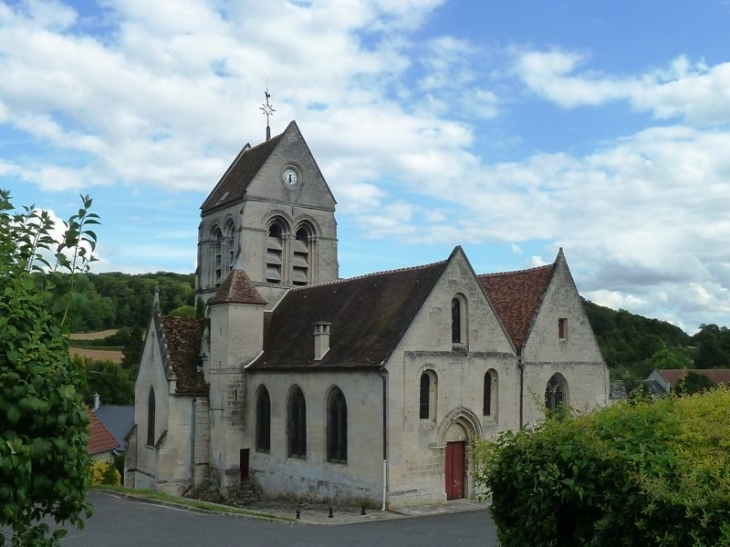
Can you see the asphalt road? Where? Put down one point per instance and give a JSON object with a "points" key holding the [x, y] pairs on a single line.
{"points": [[124, 522]]}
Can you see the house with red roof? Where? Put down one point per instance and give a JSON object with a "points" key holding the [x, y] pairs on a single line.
{"points": [[664, 381], [368, 388], [102, 443]]}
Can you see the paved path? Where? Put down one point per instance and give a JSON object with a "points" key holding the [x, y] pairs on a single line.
{"points": [[121, 522]]}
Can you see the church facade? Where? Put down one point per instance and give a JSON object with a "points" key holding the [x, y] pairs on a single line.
{"points": [[368, 389]]}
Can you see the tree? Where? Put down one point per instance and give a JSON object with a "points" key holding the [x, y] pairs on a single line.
{"points": [[44, 461], [694, 382]]}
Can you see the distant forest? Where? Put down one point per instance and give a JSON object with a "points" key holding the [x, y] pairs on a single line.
{"points": [[632, 345]]}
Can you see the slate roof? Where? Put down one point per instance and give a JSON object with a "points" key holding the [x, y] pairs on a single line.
{"points": [[674, 375], [234, 182], [516, 298], [117, 419], [369, 315], [237, 289], [100, 439], [181, 339]]}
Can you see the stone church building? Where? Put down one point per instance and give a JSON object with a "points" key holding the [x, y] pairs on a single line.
{"points": [[367, 389]]}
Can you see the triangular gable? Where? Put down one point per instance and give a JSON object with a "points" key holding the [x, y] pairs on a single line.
{"points": [[516, 298], [369, 315]]}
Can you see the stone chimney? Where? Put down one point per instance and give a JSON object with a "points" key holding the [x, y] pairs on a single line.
{"points": [[321, 339]]}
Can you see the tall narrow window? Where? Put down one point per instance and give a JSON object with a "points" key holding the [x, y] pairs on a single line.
{"points": [[297, 424], [230, 244], [217, 255], [263, 421], [274, 253], [562, 328], [337, 427], [555, 392], [427, 396], [151, 418], [456, 321], [301, 257], [490, 393]]}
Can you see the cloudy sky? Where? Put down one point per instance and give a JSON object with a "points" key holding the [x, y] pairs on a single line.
{"points": [[510, 128]]}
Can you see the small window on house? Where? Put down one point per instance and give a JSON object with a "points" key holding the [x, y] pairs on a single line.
{"points": [[555, 392], [263, 421], [297, 424], [490, 393], [562, 328], [337, 427], [151, 418], [427, 396]]}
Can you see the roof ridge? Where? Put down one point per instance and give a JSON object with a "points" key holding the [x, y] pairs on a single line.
{"points": [[533, 269], [365, 276]]}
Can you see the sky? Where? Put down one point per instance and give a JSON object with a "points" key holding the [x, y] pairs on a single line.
{"points": [[509, 128]]}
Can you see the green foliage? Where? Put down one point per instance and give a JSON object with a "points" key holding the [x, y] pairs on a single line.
{"points": [[44, 459], [644, 473], [183, 311], [694, 382], [105, 473], [113, 383]]}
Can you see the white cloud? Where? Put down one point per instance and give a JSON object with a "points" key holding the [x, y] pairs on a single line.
{"points": [[693, 91]]}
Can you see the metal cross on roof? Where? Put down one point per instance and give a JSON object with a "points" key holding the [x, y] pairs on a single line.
{"points": [[269, 110]]}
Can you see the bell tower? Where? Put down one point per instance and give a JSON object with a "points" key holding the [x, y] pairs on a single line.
{"points": [[273, 214]]}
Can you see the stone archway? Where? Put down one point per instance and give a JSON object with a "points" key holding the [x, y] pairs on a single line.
{"points": [[459, 426]]}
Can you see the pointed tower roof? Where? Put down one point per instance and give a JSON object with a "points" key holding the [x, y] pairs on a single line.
{"points": [[237, 289], [517, 296]]}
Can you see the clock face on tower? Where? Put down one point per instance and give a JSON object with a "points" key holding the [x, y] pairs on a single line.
{"points": [[289, 176]]}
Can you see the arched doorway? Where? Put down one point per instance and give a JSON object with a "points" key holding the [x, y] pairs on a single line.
{"points": [[455, 462]]}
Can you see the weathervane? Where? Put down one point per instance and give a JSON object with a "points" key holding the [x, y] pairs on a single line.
{"points": [[267, 109]]}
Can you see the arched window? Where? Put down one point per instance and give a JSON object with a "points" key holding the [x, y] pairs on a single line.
{"points": [[337, 427], [274, 253], [427, 396], [490, 393], [231, 244], [217, 243], [263, 421], [151, 417], [459, 327], [555, 392], [302, 256], [297, 424]]}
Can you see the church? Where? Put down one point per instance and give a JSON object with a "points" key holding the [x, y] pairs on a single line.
{"points": [[368, 389]]}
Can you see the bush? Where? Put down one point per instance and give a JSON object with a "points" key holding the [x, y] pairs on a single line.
{"points": [[105, 473], [639, 474]]}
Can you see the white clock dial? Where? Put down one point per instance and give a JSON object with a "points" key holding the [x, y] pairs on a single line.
{"points": [[289, 176]]}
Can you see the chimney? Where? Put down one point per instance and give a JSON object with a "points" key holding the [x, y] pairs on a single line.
{"points": [[321, 339], [97, 402]]}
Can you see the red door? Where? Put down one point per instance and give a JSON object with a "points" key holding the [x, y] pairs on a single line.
{"points": [[455, 476]]}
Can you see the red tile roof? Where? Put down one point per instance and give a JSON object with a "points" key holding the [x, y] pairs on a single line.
{"points": [[674, 375], [516, 297], [100, 439]]}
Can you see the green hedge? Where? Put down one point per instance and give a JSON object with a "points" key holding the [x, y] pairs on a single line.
{"points": [[635, 474]]}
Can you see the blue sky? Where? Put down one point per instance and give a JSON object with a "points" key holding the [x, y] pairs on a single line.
{"points": [[510, 128]]}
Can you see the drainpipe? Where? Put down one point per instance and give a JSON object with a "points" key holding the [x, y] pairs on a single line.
{"points": [[521, 366], [192, 444], [384, 377]]}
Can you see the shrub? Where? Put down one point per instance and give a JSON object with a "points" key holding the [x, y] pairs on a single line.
{"points": [[639, 474], [105, 473]]}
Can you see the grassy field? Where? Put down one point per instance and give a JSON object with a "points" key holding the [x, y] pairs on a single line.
{"points": [[98, 354]]}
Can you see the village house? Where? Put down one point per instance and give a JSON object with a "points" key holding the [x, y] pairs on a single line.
{"points": [[367, 389]]}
